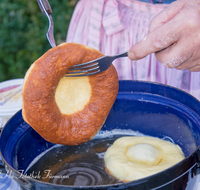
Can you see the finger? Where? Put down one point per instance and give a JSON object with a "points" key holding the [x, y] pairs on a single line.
{"points": [[166, 15], [157, 40], [176, 56], [172, 56], [190, 64], [195, 68]]}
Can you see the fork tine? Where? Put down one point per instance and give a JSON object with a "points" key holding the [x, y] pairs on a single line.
{"points": [[84, 67], [88, 63], [82, 70], [81, 74]]}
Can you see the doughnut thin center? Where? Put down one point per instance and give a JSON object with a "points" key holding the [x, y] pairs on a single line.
{"points": [[143, 153], [72, 94]]}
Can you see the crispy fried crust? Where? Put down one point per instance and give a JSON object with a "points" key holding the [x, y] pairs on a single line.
{"points": [[39, 106]]}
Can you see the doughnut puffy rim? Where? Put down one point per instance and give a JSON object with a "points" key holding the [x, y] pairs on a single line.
{"points": [[39, 107]]}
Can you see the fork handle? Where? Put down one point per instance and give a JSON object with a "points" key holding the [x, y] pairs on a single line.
{"points": [[44, 4], [125, 54]]}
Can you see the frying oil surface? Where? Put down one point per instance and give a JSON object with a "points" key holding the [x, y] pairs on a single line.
{"points": [[81, 165]]}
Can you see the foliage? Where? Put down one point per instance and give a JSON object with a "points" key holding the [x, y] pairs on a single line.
{"points": [[23, 30]]}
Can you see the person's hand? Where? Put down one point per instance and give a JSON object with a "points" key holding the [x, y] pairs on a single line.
{"points": [[174, 36]]}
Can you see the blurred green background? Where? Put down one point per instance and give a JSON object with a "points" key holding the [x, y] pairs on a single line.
{"points": [[23, 30]]}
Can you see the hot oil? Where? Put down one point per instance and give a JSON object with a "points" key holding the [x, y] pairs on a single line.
{"points": [[81, 165]]}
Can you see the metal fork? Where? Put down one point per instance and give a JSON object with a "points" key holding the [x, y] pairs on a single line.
{"points": [[94, 66], [46, 9]]}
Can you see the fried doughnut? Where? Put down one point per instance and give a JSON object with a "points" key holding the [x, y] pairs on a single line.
{"points": [[67, 110], [132, 158]]}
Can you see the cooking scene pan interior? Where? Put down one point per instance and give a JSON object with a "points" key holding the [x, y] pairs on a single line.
{"points": [[140, 109]]}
